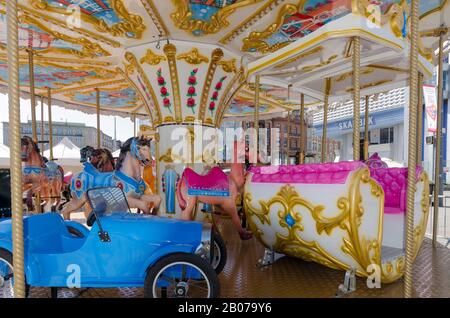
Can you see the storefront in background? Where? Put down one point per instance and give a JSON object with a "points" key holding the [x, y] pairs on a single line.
{"points": [[386, 134]]}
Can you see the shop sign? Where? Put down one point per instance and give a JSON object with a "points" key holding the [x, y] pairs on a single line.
{"points": [[348, 124]]}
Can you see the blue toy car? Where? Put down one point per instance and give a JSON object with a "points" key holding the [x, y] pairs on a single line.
{"points": [[169, 258]]}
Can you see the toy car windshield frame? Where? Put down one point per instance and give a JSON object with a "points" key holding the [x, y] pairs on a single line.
{"points": [[113, 197]]}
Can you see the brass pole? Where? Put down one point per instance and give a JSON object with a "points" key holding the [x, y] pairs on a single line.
{"points": [[412, 144], [366, 130], [97, 95], [325, 120], [14, 137], [134, 124], [50, 124], [302, 130], [420, 121], [356, 97], [42, 124], [256, 118], [437, 163], [32, 94], [288, 137]]}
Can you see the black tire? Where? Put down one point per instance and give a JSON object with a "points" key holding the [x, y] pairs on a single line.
{"points": [[154, 272], [8, 257], [218, 253], [75, 232]]}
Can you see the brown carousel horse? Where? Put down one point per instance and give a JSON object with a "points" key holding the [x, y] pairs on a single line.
{"points": [[40, 175], [214, 188], [134, 155], [102, 159]]}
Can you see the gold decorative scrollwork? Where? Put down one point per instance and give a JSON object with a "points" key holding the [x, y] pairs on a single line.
{"points": [[343, 77], [183, 17], [216, 56], [193, 57], [169, 157], [362, 250], [228, 66], [131, 23], [130, 69], [152, 58], [256, 40], [88, 48]]}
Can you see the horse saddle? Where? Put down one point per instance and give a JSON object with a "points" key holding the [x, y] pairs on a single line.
{"points": [[214, 183]]}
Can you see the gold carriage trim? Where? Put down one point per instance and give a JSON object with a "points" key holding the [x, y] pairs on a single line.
{"points": [[365, 252]]}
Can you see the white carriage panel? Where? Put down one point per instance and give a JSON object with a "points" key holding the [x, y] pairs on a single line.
{"points": [[394, 230]]}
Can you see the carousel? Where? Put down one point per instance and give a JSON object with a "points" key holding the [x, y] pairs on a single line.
{"points": [[184, 68]]}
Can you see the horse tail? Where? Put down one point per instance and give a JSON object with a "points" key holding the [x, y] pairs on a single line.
{"points": [[181, 201]]}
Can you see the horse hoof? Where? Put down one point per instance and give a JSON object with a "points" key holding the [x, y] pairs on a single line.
{"points": [[245, 235]]}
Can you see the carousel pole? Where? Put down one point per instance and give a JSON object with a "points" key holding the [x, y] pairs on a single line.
{"points": [[356, 97], [134, 124], [412, 144], [437, 163], [32, 94], [33, 113], [288, 137], [256, 117], [50, 124], [325, 120], [420, 121], [302, 130], [42, 123], [366, 130], [14, 137], [97, 97]]}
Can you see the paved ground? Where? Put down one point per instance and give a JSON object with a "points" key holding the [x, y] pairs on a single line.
{"points": [[290, 277]]}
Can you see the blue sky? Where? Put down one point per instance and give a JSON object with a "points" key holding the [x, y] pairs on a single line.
{"points": [[124, 125]]}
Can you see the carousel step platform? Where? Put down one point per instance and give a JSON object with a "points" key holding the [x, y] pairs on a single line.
{"points": [[389, 253]]}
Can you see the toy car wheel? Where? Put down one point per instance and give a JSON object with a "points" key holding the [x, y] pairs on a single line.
{"points": [[180, 276], [7, 275], [219, 253]]}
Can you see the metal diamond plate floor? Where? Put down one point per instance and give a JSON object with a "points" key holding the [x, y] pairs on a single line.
{"points": [[290, 277]]}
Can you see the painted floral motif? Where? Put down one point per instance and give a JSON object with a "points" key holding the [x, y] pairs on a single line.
{"points": [[215, 95], [163, 90], [191, 93]]}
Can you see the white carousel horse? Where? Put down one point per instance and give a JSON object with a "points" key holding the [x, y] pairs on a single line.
{"points": [[134, 155]]}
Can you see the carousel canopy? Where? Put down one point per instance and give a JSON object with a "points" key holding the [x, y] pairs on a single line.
{"points": [[182, 61]]}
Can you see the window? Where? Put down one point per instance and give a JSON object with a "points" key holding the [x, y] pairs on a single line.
{"points": [[387, 135]]}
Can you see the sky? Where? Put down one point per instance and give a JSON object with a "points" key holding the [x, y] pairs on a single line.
{"points": [[124, 126]]}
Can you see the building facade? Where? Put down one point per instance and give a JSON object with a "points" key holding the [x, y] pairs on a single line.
{"points": [[80, 134], [294, 138], [386, 126]]}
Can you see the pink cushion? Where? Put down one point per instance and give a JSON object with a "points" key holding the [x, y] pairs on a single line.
{"points": [[394, 182], [391, 210], [328, 173]]}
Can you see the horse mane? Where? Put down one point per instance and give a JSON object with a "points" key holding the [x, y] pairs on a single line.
{"points": [[141, 141], [30, 140]]}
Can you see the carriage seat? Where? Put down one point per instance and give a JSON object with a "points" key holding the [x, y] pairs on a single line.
{"points": [[394, 182], [47, 233], [327, 173]]}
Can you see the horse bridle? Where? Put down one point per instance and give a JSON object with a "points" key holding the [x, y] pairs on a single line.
{"points": [[134, 149]]}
